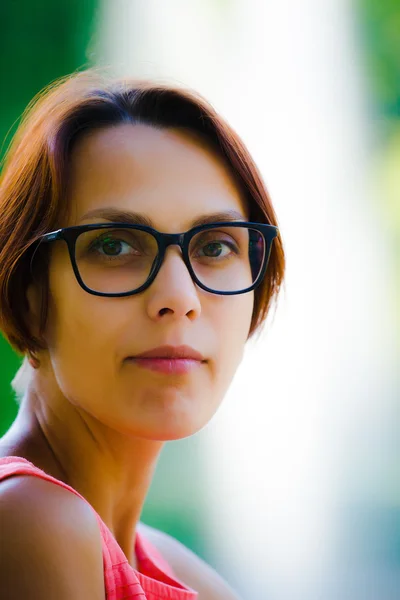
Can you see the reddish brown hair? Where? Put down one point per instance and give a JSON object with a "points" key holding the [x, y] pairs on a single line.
{"points": [[34, 179]]}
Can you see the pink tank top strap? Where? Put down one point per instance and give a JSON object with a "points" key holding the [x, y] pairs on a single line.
{"points": [[16, 465]]}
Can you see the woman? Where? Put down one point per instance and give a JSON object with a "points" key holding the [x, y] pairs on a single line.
{"points": [[138, 252]]}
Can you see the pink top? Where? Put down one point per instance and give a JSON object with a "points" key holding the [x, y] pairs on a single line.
{"points": [[155, 579]]}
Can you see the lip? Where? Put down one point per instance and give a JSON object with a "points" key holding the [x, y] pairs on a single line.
{"points": [[171, 360], [172, 352]]}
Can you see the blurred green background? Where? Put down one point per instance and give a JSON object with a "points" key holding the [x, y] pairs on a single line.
{"points": [[39, 42], [380, 34]]}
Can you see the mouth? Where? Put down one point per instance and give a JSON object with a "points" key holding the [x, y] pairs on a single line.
{"points": [[169, 360], [168, 366]]}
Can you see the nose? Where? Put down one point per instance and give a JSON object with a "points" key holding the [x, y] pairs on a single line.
{"points": [[173, 294]]}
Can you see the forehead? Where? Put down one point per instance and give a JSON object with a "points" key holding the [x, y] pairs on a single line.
{"points": [[169, 175]]}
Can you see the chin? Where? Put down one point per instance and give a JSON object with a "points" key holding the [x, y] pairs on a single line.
{"points": [[174, 427], [173, 424], [166, 413]]}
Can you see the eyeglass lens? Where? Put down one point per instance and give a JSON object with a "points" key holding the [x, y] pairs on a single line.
{"points": [[114, 260]]}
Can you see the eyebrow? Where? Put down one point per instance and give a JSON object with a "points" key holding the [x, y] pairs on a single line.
{"points": [[122, 216]]}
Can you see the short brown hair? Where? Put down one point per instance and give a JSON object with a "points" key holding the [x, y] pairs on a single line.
{"points": [[35, 174]]}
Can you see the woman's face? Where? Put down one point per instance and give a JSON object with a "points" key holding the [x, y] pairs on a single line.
{"points": [[173, 180]]}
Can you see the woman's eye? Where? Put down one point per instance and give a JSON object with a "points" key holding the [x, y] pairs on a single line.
{"points": [[113, 247], [214, 249]]}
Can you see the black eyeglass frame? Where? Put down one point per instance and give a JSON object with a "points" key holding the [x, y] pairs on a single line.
{"points": [[71, 234]]}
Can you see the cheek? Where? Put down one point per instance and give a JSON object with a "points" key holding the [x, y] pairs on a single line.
{"points": [[232, 326], [236, 315], [81, 326], [84, 342]]}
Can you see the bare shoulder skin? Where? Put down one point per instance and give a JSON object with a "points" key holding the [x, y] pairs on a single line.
{"points": [[50, 543], [189, 567]]}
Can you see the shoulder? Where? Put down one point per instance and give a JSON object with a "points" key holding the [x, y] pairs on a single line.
{"points": [[189, 567], [51, 542], [27, 496]]}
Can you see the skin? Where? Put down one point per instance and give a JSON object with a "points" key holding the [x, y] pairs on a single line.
{"points": [[90, 417]]}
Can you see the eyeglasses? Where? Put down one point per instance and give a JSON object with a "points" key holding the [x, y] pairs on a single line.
{"points": [[119, 259]]}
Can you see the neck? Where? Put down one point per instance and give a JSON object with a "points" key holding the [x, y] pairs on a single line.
{"points": [[111, 470]]}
